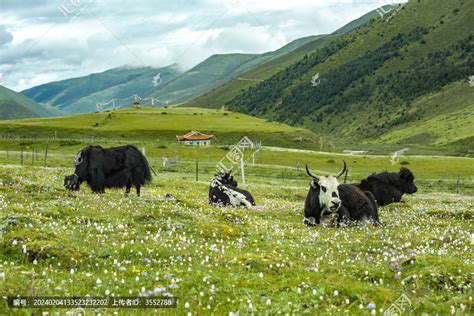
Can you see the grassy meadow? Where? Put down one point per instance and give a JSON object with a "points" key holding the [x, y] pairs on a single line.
{"points": [[170, 242], [222, 260], [159, 126]]}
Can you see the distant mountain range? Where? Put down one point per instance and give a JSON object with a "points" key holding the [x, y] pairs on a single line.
{"points": [[216, 70], [16, 106], [80, 95]]}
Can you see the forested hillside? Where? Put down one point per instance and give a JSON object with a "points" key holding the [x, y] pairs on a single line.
{"points": [[250, 78], [371, 79]]}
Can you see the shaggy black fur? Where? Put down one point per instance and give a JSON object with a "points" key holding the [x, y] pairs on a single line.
{"points": [[389, 187], [356, 205], [115, 167]]}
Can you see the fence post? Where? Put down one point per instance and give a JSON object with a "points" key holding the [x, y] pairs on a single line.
{"points": [[345, 175], [7, 153], [46, 154], [242, 170], [197, 171], [21, 156], [457, 184]]}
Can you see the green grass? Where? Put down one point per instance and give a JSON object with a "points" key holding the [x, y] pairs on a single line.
{"points": [[160, 126], [218, 260], [155, 129], [442, 125]]}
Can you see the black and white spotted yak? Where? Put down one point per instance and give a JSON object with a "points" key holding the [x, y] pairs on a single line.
{"points": [[115, 167], [329, 203], [389, 187], [223, 190]]}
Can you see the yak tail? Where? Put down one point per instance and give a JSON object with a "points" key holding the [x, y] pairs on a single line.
{"points": [[144, 166]]}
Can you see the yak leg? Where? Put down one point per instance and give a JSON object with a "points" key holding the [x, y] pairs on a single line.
{"points": [[98, 181], [128, 187], [344, 216], [374, 216], [329, 220], [138, 190]]}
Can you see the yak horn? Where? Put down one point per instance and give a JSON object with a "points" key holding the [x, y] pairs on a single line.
{"points": [[310, 174], [343, 170]]}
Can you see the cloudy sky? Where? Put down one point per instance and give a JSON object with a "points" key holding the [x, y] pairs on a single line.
{"points": [[48, 40]]}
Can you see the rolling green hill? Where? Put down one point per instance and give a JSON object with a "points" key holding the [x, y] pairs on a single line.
{"points": [[79, 95], [376, 79], [162, 126], [228, 90], [16, 106]]}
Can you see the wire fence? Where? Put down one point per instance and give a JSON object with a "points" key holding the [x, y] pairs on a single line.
{"points": [[58, 149], [204, 170]]}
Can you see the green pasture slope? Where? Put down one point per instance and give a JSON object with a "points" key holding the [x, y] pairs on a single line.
{"points": [[285, 150], [160, 126], [222, 260]]}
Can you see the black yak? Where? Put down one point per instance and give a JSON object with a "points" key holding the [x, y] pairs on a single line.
{"points": [[223, 191], [330, 203], [389, 187], [115, 167]]}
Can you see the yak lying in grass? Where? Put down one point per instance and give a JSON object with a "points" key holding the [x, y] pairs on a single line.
{"points": [[389, 187], [329, 203], [115, 167], [223, 191]]}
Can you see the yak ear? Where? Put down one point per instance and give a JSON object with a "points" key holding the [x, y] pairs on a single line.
{"points": [[404, 172], [314, 184]]}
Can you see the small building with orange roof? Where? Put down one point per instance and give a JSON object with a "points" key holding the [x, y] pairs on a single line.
{"points": [[195, 138]]}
